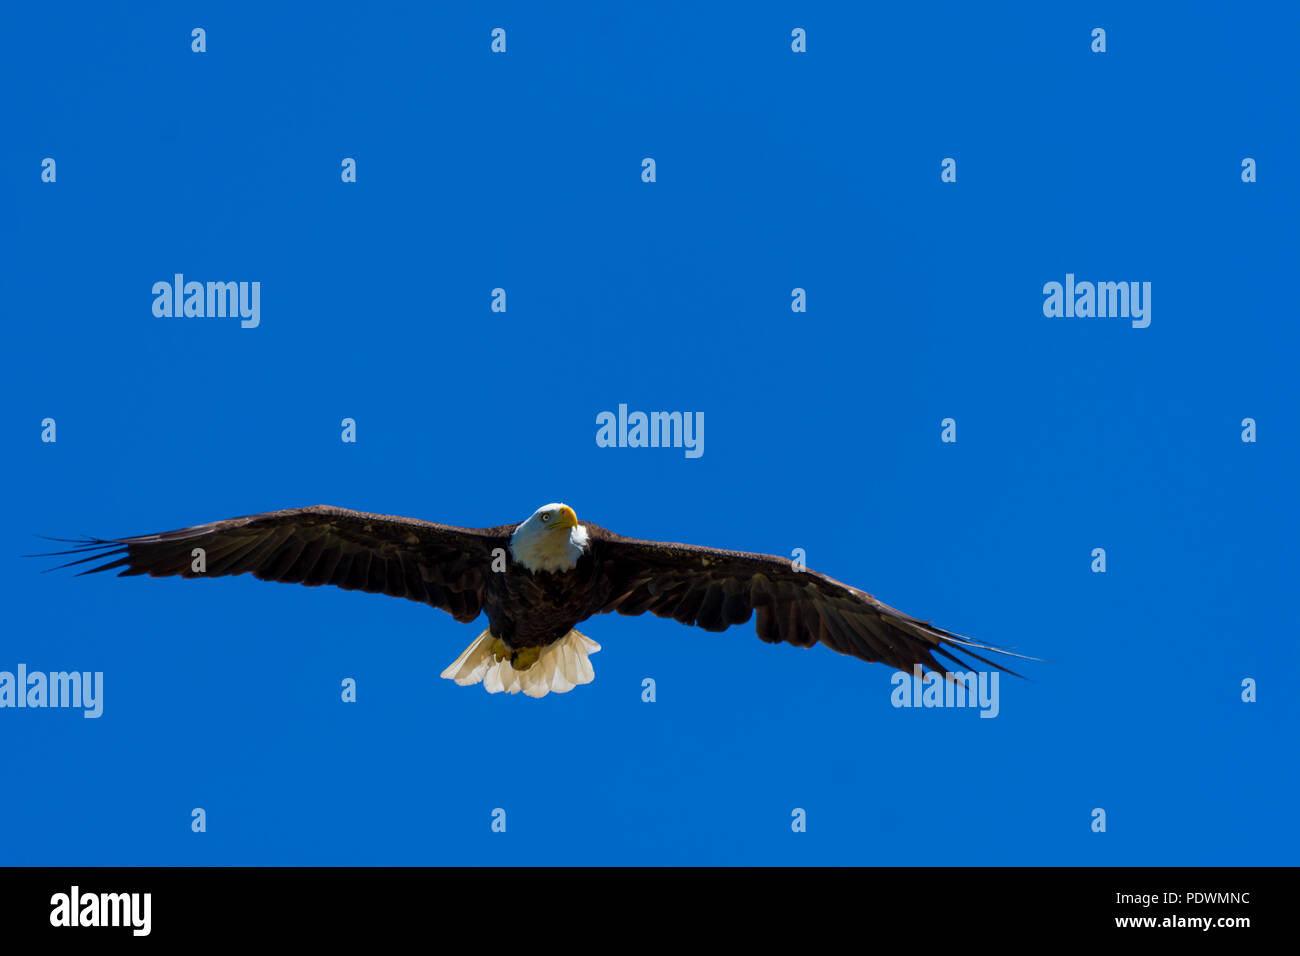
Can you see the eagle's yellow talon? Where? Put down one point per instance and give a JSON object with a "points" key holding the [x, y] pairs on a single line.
{"points": [[526, 658]]}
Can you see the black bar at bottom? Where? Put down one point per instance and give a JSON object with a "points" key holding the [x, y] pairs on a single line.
{"points": [[372, 904]]}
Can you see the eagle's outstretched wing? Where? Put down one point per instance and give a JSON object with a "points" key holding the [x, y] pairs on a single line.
{"points": [[435, 564], [715, 589]]}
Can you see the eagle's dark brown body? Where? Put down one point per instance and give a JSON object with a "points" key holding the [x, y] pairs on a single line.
{"points": [[468, 571], [536, 608]]}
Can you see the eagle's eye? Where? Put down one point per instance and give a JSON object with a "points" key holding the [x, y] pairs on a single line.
{"points": [[546, 516]]}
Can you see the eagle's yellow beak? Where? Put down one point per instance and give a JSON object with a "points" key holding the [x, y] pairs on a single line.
{"points": [[565, 517]]}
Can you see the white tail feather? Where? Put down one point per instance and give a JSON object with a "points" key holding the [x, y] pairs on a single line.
{"points": [[560, 667], [473, 662]]}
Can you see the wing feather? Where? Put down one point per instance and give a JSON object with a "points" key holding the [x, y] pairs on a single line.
{"points": [[401, 557], [714, 589]]}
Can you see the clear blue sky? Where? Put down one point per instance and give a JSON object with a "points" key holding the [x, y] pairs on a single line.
{"points": [[774, 171]]}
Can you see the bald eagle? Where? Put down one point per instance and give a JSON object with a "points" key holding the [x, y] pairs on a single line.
{"points": [[536, 582]]}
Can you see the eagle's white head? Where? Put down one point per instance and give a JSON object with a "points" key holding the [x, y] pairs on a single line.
{"points": [[550, 540]]}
